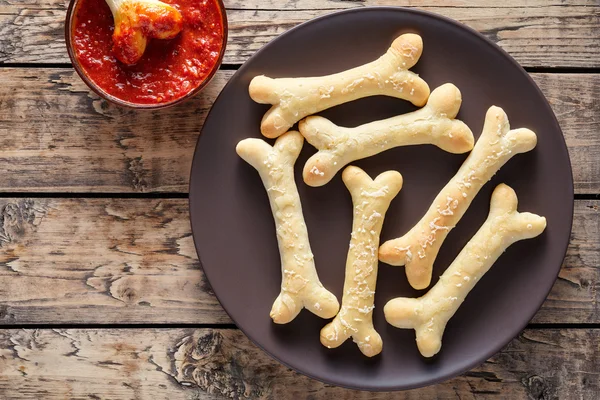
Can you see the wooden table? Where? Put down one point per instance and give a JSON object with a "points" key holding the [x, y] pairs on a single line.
{"points": [[101, 293]]}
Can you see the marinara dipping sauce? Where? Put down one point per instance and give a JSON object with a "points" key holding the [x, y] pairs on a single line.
{"points": [[168, 70]]}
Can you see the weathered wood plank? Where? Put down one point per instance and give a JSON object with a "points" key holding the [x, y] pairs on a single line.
{"points": [[101, 261], [133, 261], [541, 34], [216, 364], [575, 297], [576, 105], [49, 121]]}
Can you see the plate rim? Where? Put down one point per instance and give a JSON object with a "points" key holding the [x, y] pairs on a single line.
{"points": [[514, 333]]}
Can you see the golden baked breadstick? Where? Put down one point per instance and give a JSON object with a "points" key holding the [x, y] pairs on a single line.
{"points": [[418, 248], [300, 285], [429, 314], [295, 98], [432, 124], [371, 199]]}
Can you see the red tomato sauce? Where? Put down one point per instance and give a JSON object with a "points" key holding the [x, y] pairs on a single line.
{"points": [[168, 70]]}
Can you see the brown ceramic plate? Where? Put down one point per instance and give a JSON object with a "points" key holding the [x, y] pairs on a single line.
{"points": [[234, 231]]}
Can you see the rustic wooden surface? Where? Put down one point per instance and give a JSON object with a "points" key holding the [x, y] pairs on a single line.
{"points": [[101, 292], [206, 363]]}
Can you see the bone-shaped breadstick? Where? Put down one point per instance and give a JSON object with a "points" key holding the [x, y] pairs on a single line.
{"points": [[429, 314], [434, 124], [300, 285], [371, 199], [418, 248], [295, 98]]}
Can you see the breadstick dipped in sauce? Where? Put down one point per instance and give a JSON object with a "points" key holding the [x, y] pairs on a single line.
{"points": [[138, 20], [107, 36]]}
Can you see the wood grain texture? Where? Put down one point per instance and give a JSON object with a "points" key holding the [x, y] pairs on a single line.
{"points": [[216, 364], [49, 121], [575, 297], [538, 33], [575, 100], [101, 261], [109, 261]]}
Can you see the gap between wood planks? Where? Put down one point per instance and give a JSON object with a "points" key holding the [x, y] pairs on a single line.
{"points": [[235, 67], [153, 195], [184, 325]]}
